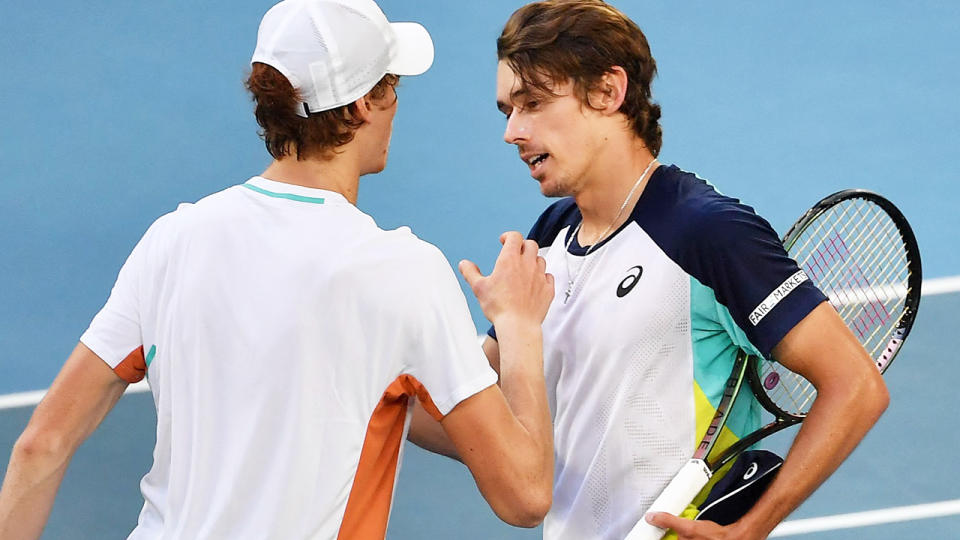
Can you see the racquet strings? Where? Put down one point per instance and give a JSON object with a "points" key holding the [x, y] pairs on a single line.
{"points": [[855, 254]]}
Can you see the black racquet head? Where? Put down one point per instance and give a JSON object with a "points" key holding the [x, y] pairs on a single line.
{"points": [[860, 251]]}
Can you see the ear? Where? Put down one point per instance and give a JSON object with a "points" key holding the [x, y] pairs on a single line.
{"points": [[610, 91], [362, 108]]}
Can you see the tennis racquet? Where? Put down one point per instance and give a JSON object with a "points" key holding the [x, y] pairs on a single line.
{"points": [[859, 250]]}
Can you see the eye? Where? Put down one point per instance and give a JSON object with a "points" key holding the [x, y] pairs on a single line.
{"points": [[531, 105]]}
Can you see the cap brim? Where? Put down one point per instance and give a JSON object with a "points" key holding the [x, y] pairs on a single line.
{"points": [[414, 49]]}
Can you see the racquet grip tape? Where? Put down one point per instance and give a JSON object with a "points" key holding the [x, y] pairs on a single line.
{"points": [[674, 499]]}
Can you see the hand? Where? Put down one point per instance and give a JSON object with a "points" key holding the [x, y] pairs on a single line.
{"points": [[518, 290], [688, 529]]}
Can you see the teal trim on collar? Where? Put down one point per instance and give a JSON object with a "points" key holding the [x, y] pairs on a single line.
{"points": [[290, 196]]}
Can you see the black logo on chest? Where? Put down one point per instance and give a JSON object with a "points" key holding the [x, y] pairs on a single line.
{"points": [[629, 282]]}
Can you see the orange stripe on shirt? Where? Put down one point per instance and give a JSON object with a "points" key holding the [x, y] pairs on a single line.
{"points": [[368, 507], [133, 367]]}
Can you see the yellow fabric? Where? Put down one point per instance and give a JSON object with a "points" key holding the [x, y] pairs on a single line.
{"points": [[690, 513], [705, 413]]}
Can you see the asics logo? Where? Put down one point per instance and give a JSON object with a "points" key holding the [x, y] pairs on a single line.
{"points": [[629, 282], [752, 470]]}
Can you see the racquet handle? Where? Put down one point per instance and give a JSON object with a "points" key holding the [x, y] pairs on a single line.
{"points": [[674, 498]]}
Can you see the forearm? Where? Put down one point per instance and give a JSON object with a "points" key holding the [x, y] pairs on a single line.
{"points": [[33, 477], [510, 452], [510, 449], [837, 422], [80, 397], [523, 387]]}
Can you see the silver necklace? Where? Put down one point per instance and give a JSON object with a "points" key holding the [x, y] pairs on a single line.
{"points": [[572, 278]]}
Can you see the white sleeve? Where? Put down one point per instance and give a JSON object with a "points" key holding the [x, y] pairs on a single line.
{"points": [[115, 332], [446, 358]]}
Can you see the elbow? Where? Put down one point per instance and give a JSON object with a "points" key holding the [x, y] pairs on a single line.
{"points": [[536, 508], [528, 507], [872, 395], [41, 449], [881, 395]]}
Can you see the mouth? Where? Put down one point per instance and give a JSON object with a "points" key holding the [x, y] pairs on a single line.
{"points": [[535, 162]]}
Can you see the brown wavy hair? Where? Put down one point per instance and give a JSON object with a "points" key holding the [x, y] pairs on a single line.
{"points": [[285, 133], [551, 42]]}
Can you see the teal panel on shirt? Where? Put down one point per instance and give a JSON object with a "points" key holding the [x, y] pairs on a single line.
{"points": [[716, 339]]}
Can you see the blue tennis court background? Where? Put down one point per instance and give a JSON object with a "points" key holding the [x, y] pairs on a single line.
{"points": [[114, 112]]}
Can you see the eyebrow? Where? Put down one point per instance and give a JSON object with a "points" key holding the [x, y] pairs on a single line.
{"points": [[515, 96]]}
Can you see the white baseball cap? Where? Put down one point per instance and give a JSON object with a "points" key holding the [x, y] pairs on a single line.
{"points": [[335, 51]]}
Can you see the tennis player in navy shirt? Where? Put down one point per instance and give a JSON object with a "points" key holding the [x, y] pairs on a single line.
{"points": [[660, 281]]}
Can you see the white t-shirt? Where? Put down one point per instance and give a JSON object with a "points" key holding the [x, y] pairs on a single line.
{"points": [[637, 359], [282, 333]]}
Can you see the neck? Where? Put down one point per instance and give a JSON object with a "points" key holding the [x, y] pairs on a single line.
{"points": [[339, 173], [609, 189]]}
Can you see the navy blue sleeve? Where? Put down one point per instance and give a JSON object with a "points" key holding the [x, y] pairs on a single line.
{"points": [[736, 253]]}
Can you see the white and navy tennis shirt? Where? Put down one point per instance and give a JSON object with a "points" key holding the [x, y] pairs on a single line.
{"points": [[637, 358]]}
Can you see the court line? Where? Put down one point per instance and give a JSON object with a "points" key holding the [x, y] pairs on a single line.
{"points": [[854, 295], [870, 517], [943, 285], [932, 286], [29, 399]]}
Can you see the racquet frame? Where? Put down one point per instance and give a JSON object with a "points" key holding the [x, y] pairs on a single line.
{"points": [[784, 419]]}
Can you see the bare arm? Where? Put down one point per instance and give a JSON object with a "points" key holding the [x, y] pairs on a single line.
{"points": [[427, 433], [506, 439], [492, 349], [504, 433], [851, 396], [81, 396]]}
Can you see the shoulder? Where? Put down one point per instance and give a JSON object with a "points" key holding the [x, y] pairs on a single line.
{"points": [[701, 204], [686, 215], [193, 215], [417, 277], [702, 217], [405, 246], [555, 218], [722, 221], [415, 261], [166, 227]]}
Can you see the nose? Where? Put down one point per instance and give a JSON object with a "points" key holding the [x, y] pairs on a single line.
{"points": [[516, 130]]}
